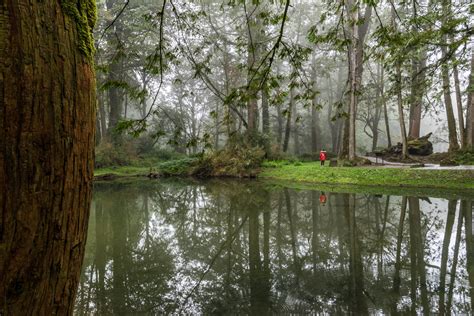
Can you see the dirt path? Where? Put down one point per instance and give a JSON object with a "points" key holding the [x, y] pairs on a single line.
{"points": [[426, 167]]}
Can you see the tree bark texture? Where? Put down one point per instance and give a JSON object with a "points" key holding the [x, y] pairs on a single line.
{"points": [[47, 111]]}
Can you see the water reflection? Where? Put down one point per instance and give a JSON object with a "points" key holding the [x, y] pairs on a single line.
{"points": [[230, 247]]}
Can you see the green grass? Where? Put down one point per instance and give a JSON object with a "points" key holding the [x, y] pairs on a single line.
{"points": [[178, 167], [122, 171], [312, 172]]}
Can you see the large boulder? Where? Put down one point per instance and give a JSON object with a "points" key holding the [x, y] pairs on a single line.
{"points": [[420, 146], [416, 147]]}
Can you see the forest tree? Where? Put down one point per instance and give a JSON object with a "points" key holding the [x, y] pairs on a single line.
{"points": [[47, 110]]}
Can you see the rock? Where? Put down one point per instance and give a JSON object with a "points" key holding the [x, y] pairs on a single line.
{"points": [[420, 147], [417, 147]]}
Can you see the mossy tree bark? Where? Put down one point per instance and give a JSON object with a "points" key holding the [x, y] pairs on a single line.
{"points": [[47, 110]]}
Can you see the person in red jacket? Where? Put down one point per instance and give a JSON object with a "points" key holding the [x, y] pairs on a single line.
{"points": [[322, 157], [322, 198]]}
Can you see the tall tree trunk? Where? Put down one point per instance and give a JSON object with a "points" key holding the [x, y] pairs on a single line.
{"points": [[470, 105], [353, 11], [401, 115], [448, 104], [417, 91], [398, 74], [266, 120], [378, 109], [358, 32], [337, 125], [343, 151], [98, 130], [385, 111], [288, 121], [216, 127], [457, 88], [103, 115], [47, 111], [296, 130], [252, 64], [315, 130], [279, 128]]}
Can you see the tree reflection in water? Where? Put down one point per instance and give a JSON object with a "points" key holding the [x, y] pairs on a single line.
{"points": [[243, 247]]}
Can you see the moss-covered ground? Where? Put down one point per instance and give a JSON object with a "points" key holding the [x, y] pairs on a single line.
{"points": [[312, 172]]}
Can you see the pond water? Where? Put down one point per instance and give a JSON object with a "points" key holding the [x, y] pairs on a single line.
{"points": [[248, 247]]}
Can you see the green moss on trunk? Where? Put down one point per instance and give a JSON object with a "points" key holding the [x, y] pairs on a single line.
{"points": [[84, 15]]}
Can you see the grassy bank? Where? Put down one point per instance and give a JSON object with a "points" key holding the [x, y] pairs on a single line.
{"points": [[312, 172]]}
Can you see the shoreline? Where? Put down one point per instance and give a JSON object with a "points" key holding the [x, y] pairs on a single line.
{"points": [[311, 173]]}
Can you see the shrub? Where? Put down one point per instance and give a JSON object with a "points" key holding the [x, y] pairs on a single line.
{"points": [[234, 161], [465, 157], [179, 167], [107, 155]]}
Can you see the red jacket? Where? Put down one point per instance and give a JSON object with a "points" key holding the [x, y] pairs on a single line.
{"points": [[322, 155], [322, 199]]}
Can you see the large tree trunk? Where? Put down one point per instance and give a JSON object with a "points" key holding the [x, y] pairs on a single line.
{"points": [[47, 111], [358, 32]]}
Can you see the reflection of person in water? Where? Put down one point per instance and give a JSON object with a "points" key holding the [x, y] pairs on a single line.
{"points": [[322, 198]]}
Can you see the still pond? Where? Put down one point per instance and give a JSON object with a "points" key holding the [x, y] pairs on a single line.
{"points": [[249, 247]]}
